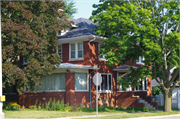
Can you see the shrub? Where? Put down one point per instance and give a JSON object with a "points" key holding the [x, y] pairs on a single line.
{"points": [[53, 105], [39, 106], [62, 105], [67, 107], [75, 108], [33, 107], [6, 105], [48, 105], [14, 105], [58, 106]]}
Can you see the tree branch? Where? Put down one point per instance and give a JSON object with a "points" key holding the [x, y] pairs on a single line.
{"points": [[174, 84], [176, 71]]}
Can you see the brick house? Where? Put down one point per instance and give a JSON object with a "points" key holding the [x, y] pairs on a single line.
{"points": [[72, 80]]}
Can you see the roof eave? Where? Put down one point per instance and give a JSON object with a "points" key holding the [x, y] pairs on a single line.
{"points": [[80, 38]]}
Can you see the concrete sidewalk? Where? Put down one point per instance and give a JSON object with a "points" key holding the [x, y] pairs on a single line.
{"points": [[176, 116]]}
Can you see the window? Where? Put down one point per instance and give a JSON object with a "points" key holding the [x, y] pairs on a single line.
{"points": [[52, 82], [140, 60], [59, 51], [76, 50], [101, 56], [25, 60], [142, 86], [81, 82], [121, 74], [106, 84]]}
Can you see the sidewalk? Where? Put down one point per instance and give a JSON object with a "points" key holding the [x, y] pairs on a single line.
{"points": [[152, 117]]}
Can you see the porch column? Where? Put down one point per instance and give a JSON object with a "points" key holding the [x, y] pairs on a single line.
{"points": [[70, 88]]}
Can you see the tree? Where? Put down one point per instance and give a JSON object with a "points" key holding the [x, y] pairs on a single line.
{"points": [[29, 32], [69, 9], [142, 28]]}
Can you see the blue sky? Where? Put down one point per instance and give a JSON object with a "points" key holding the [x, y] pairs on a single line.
{"points": [[84, 8]]}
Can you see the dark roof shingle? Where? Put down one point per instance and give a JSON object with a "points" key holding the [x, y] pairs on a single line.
{"points": [[84, 27]]}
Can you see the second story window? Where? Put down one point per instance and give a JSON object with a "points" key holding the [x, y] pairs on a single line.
{"points": [[59, 51], [140, 60], [76, 50]]}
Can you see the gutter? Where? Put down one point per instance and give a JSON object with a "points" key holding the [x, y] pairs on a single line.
{"points": [[90, 87]]}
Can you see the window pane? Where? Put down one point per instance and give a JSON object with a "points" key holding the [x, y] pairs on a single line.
{"points": [[49, 82], [59, 81], [80, 54], [136, 87], [109, 82], [59, 48], [140, 86], [72, 47], [145, 86], [72, 54], [80, 46], [80, 81], [42, 87], [104, 82], [60, 54]]}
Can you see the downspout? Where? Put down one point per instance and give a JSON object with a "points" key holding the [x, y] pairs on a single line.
{"points": [[91, 72], [90, 87]]}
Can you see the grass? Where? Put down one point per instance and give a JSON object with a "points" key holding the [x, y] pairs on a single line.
{"points": [[57, 114]]}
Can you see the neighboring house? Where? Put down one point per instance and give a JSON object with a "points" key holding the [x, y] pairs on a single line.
{"points": [[72, 80], [175, 100]]}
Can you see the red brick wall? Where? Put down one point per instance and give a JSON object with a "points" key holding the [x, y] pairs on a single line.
{"points": [[28, 99], [70, 88]]}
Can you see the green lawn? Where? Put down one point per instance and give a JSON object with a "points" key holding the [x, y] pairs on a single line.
{"points": [[58, 114]]}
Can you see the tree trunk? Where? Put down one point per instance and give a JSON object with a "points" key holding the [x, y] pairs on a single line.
{"points": [[167, 100]]}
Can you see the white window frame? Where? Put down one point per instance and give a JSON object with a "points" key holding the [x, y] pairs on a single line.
{"points": [[106, 91], [140, 60], [76, 51], [57, 51], [143, 86], [103, 55], [87, 90]]}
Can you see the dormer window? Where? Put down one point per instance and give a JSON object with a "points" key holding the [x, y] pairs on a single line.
{"points": [[140, 60], [76, 50]]}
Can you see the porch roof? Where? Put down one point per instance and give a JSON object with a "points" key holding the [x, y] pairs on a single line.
{"points": [[78, 66], [123, 67]]}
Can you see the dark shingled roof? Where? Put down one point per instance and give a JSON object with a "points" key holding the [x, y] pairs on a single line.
{"points": [[84, 27], [123, 67]]}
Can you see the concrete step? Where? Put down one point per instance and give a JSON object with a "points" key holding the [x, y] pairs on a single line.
{"points": [[147, 105]]}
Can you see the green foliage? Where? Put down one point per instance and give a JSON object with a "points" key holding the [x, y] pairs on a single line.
{"points": [[39, 106], [156, 90], [48, 105], [7, 105], [67, 107], [53, 105], [69, 8], [29, 31], [33, 107], [141, 28]]}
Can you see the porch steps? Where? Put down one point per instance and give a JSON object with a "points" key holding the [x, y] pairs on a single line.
{"points": [[147, 105]]}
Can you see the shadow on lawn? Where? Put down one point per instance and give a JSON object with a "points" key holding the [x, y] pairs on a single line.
{"points": [[115, 109]]}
